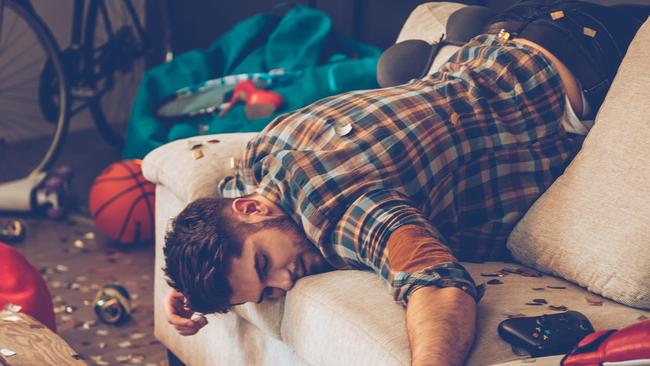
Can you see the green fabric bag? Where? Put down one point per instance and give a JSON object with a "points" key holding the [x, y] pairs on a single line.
{"points": [[303, 39]]}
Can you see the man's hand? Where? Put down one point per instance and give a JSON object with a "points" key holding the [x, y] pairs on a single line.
{"points": [[441, 323], [180, 316]]}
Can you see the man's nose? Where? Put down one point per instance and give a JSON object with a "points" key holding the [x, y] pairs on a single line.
{"points": [[280, 279]]}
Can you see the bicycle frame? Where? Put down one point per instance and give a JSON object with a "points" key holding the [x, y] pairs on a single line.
{"points": [[88, 74]]}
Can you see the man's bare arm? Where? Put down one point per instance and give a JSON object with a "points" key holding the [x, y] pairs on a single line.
{"points": [[441, 324]]}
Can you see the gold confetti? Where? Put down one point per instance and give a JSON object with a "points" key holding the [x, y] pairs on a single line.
{"points": [[558, 307], [594, 302], [197, 154], [125, 344], [135, 358], [122, 359], [136, 336], [557, 287], [455, 119], [503, 35], [11, 318], [213, 141], [79, 244], [589, 32], [557, 15], [89, 235], [101, 332], [70, 309], [61, 268]]}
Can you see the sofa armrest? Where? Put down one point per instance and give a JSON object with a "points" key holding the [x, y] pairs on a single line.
{"points": [[174, 165]]}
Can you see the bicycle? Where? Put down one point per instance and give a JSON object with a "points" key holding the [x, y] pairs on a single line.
{"points": [[42, 87]]}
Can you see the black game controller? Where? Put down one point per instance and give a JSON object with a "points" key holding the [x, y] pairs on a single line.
{"points": [[552, 334]]}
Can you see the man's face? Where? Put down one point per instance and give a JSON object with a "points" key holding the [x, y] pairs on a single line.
{"points": [[272, 260]]}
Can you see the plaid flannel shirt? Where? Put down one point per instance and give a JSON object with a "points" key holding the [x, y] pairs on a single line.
{"points": [[462, 153]]}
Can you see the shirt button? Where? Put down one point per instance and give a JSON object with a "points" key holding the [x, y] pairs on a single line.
{"points": [[343, 130]]}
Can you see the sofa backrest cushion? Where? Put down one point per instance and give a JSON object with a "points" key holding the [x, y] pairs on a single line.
{"points": [[593, 224]]}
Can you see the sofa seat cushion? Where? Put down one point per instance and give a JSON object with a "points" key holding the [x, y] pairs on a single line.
{"points": [[349, 318]]}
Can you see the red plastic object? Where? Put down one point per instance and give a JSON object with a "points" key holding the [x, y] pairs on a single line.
{"points": [[628, 344], [21, 284], [259, 102]]}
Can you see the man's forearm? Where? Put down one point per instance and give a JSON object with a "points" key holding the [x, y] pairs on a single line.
{"points": [[441, 323]]}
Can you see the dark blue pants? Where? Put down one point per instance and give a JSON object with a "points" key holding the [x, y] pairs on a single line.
{"points": [[589, 39]]}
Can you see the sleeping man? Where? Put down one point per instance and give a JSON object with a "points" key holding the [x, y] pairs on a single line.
{"points": [[406, 180]]}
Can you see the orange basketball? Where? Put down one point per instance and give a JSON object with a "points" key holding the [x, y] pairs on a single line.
{"points": [[121, 202]]}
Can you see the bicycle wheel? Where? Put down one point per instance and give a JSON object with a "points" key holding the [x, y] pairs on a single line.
{"points": [[119, 46], [33, 93]]}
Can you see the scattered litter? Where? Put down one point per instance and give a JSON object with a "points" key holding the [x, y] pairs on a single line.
{"points": [[89, 235], [122, 359], [594, 302], [495, 282], [125, 344], [13, 308], [519, 315], [534, 303], [492, 275], [557, 287], [102, 345], [7, 352], [79, 244], [77, 356], [526, 272], [136, 336], [540, 301], [558, 307], [61, 268], [135, 358], [101, 332], [197, 154], [213, 141], [538, 289], [11, 318]]}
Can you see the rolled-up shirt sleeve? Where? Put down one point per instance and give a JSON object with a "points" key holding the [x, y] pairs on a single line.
{"points": [[389, 235]]}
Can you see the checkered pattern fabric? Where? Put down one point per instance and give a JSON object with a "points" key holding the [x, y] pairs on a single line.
{"points": [[463, 153]]}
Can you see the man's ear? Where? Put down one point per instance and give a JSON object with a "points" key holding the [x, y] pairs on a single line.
{"points": [[249, 206]]}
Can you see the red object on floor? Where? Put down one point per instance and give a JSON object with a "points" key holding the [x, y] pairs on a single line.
{"points": [[631, 343], [21, 284]]}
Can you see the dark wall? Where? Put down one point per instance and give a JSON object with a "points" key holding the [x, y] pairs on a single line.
{"points": [[197, 23]]}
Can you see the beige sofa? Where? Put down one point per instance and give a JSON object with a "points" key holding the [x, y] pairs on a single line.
{"points": [[348, 317]]}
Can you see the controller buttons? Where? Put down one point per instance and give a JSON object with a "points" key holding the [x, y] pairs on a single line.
{"points": [[542, 320], [535, 335], [545, 337]]}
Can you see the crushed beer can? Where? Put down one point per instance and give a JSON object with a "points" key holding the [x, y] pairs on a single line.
{"points": [[113, 304]]}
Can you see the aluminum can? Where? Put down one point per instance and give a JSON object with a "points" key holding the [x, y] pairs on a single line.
{"points": [[113, 304]]}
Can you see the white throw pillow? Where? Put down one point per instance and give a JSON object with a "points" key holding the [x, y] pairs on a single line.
{"points": [[592, 226]]}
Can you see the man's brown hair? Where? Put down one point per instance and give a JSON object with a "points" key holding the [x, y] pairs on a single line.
{"points": [[198, 248]]}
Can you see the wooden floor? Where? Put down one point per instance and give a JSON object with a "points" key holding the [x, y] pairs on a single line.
{"points": [[76, 260]]}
